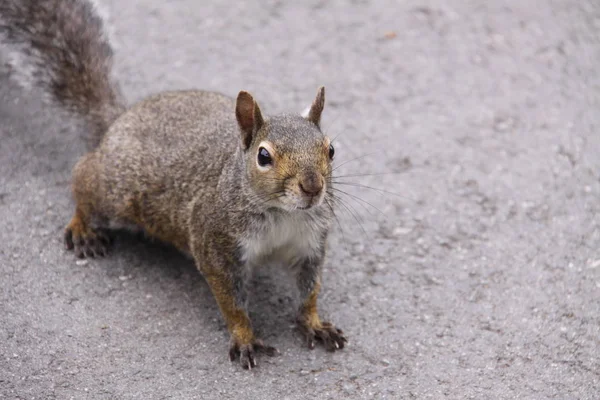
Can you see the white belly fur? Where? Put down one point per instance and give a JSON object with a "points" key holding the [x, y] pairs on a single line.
{"points": [[284, 239]]}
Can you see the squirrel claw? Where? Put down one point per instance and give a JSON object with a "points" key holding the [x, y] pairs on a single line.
{"points": [[90, 244], [331, 337], [247, 352]]}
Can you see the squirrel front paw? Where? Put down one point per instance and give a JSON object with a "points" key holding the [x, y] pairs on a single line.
{"points": [[323, 332], [86, 242], [246, 353]]}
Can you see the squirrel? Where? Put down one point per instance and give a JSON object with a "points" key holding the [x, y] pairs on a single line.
{"points": [[213, 176]]}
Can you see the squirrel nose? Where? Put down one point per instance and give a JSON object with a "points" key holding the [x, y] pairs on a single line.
{"points": [[311, 185]]}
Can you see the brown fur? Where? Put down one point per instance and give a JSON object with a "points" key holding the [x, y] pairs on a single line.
{"points": [[182, 166]]}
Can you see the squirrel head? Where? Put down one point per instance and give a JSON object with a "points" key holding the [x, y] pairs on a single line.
{"points": [[287, 157]]}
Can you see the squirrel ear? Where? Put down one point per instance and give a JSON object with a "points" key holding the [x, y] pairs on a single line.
{"points": [[314, 115], [248, 116]]}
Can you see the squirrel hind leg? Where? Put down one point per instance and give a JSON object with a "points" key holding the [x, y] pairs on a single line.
{"points": [[85, 240], [87, 234]]}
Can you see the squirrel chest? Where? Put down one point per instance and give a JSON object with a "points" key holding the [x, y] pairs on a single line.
{"points": [[283, 238]]}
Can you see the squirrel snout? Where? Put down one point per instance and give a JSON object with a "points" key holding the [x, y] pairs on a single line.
{"points": [[311, 185]]}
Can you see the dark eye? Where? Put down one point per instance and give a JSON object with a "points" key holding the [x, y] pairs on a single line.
{"points": [[331, 152], [264, 158]]}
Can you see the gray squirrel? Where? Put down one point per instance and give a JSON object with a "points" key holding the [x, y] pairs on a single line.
{"points": [[211, 175]]}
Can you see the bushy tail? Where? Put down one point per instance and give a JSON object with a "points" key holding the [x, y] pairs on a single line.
{"points": [[60, 46]]}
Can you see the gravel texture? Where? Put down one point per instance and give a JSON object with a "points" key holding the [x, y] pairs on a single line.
{"points": [[473, 273]]}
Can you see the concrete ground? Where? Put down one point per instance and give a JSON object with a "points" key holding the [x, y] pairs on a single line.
{"points": [[475, 274]]}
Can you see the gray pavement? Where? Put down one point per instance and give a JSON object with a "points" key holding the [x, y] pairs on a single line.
{"points": [[479, 277]]}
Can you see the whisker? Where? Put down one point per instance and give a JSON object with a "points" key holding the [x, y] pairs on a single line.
{"points": [[337, 220], [376, 174], [264, 198], [356, 217], [335, 119], [335, 137], [356, 159], [362, 200], [372, 188]]}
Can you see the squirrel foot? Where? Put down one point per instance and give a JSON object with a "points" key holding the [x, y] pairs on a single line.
{"points": [[86, 242], [325, 332], [247, 352]]}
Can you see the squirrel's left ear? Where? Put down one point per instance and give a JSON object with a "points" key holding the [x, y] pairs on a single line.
{"points": [[248, 116], [314, 115]]}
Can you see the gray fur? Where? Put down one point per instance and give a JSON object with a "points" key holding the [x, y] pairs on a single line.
{"points": [[60, 46], [183, 165]]}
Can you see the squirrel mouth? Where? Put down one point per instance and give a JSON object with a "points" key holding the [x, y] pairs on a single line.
{"points": [[306, 205], [310, 203]]}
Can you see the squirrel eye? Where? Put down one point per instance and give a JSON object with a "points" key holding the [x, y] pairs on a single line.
{"points": [[331, 152], [264, 158]]}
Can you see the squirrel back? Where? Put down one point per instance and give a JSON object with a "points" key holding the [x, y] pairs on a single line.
{"points": [[59, 46]]}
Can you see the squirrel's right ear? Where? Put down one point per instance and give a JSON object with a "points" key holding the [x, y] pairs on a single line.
{"points": [[314, 114], [248, 116]]}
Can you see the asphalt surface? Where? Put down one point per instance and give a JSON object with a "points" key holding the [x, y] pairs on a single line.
{"points": [[476, 274]]}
